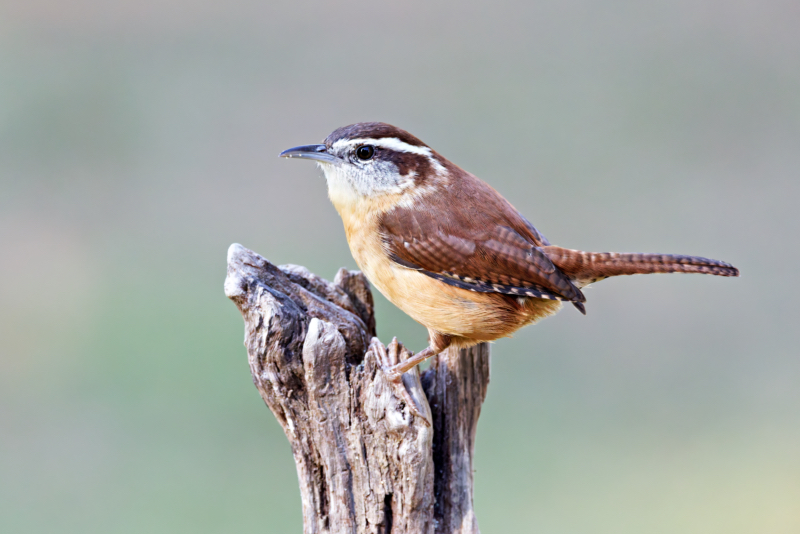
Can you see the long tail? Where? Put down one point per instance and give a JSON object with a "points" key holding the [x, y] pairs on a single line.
{"points": [[588, 267]]}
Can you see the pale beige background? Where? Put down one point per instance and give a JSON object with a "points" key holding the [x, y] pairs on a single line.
{"points": [[139, 139]]}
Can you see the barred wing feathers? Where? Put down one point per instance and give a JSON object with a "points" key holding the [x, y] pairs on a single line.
{"points": [[484, 250]]}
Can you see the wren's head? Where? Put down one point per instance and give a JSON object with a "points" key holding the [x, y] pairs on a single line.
{"points": [[372, 159]]}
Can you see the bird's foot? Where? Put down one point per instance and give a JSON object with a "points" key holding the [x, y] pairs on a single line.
{"points": [[394, 370]]}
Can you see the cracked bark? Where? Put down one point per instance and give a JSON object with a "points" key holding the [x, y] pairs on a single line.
{"points": [[366, 462]]}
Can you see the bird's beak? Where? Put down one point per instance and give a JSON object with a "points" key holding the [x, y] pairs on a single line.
{"points": [[315, 152]]}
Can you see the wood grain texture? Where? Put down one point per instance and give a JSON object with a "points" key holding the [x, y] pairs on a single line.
{"points": [[365, 462]]}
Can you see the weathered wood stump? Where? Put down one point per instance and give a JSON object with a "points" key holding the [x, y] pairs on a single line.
{"points": [[367, 461]]}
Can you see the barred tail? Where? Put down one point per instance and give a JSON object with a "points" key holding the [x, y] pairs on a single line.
{"points": [[588, 267]]}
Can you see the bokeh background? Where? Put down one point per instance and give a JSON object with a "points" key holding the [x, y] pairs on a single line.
{"points": [[139, 138]]}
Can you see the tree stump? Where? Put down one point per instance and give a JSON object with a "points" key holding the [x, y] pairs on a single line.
{"points": [[367, 461]]}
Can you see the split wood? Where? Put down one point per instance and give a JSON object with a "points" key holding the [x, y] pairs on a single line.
{"points": [[367, 461]]}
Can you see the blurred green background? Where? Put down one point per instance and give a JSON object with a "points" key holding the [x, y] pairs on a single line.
{"points": [[139, 138]]}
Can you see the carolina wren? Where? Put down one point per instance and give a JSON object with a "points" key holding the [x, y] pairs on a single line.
{"points": [[449, 250]]}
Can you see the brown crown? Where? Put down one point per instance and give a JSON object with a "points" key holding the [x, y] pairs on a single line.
{"points": [[374, 130]]}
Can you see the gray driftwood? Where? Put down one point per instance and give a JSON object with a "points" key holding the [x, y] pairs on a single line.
{"points": [[367, 461]]}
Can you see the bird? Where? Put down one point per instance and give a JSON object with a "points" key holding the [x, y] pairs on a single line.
{"points": [[448, 250]]}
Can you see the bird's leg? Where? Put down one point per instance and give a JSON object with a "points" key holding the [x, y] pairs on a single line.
{"points": [[438, 342], [395, 372]]}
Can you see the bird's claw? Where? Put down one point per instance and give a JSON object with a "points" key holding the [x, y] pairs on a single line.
{"points": [[392, 369]]}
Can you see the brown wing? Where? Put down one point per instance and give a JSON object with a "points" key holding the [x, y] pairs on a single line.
{"points": [[489, 248]]}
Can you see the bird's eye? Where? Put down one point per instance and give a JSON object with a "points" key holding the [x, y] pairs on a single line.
{"points": [[365, 152]]}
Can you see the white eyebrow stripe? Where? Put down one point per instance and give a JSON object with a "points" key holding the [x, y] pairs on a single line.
{"points": [[392, 143]]}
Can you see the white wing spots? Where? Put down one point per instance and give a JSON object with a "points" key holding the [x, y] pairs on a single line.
{"points": [[479, 286]]}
